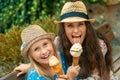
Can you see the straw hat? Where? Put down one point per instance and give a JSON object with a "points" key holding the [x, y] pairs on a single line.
{"points": [[31, 34], [74, 12]]}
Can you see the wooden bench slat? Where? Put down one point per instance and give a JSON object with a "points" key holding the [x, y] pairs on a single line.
{"points": [[106, 30], [13, 76], [116, 64], [110, 35]]}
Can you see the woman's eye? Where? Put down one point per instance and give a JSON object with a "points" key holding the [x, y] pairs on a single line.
{"points": [[69, 25], [80, 23]]}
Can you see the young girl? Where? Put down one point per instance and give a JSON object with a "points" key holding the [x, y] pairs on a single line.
{"points": [[38, 47]]}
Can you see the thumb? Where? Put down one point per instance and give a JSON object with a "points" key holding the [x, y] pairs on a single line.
{"points": [[19, 73]]}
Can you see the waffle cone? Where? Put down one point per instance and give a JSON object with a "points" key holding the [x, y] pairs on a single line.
{"points": [[75, 61], [57, 69]]}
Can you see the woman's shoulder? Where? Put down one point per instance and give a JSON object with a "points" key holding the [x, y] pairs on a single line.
{"points": [[103, 46], [33, 75]]}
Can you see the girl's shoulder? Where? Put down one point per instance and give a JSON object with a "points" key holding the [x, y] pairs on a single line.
{"points": [[33, 75]]}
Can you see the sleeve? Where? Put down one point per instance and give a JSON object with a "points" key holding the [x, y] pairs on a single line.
{"points": [[96, 77], [113, 76], [92, 77], [103, 47]]}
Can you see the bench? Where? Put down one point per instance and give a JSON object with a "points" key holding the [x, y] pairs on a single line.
{"points": [[104, 29], [13, 76]]}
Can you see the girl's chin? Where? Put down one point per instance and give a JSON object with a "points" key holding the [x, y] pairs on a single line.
{"points": [[45, 63]]}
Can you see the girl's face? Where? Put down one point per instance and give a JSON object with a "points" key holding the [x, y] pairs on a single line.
{"points": [[42, 50], [75, 31]]}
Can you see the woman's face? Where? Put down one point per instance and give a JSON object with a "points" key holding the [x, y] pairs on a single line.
{"points": [[75, 31], [41, 51]]}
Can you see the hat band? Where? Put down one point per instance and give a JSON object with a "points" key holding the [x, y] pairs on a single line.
{"points": [[73, 14]]}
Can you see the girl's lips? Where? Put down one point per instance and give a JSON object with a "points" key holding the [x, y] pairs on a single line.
{"points": [[45, 57]]}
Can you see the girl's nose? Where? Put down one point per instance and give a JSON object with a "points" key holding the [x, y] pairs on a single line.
{"points": [[43, 51]]}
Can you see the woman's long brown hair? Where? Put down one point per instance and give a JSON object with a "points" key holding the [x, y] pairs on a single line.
{"points": [[91, 57]]}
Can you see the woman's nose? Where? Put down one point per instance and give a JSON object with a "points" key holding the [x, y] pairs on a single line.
{"points": [[75, 29]]}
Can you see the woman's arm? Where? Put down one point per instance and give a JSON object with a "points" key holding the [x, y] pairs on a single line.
{"points": [[73, 72], [23, 68]]}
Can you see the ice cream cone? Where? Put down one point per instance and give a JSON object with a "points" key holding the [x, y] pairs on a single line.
{"points": [[76, 51], [75, 61], [56, 66], [57, 69]]}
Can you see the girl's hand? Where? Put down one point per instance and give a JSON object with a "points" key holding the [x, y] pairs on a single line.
{"points": [[72, 72], [22, 68]]}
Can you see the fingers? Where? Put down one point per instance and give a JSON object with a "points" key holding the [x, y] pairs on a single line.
{"points": [[16, 69], [77, 67], [63, 76], [19, 73]]}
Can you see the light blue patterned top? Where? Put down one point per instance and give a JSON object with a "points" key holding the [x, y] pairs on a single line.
{"points": [[33, 75]]}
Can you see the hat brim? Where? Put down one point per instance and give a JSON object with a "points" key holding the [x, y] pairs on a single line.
{"points": [[26, 48], [74, 19]]}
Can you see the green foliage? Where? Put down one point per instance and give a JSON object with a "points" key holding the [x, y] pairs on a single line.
{"points": [[20, 12], [97, 1], [47, 23], [10, 54]]}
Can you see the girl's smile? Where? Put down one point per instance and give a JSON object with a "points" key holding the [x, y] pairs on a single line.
{"points": [[41, 51]]}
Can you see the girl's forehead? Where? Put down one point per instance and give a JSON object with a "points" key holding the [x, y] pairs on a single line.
{"points": [[44, 39]]}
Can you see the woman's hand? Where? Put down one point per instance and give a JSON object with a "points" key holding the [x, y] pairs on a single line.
{"points": [[72, 72], [63, 77], [22, 68]]}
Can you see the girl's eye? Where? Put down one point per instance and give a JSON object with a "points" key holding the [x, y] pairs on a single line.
{"points": [[36, 49], [45, 44]]}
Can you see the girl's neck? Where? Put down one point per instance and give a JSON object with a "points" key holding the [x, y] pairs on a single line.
{"points": [[45, 66], [47, 70]]}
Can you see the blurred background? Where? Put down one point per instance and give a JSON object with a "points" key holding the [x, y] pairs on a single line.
{"points": [[15, 15]]}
